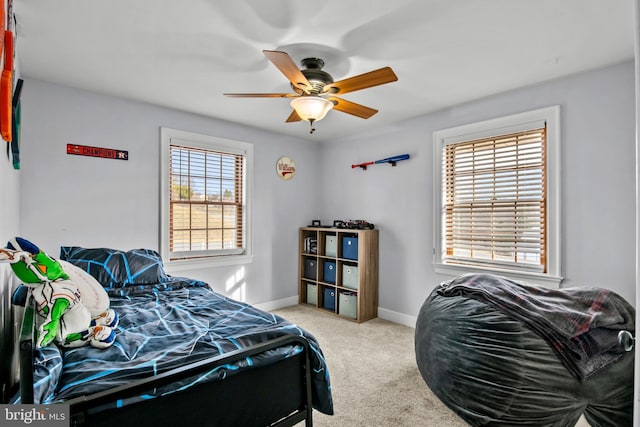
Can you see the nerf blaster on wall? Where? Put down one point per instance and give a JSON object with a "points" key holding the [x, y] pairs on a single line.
{"points": [[393, 160]]}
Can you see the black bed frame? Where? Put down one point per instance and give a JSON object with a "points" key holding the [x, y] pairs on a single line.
{"points": [[274, 395]]}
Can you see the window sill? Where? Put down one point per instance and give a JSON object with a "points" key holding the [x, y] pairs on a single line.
{"points": [[540, 279], [202, 263]]}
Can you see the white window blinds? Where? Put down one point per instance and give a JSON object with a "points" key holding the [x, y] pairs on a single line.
{"points": [[495, 201], [206, 202]]}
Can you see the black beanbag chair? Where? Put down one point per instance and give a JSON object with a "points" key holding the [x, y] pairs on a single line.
{"points": [[493, 370]]}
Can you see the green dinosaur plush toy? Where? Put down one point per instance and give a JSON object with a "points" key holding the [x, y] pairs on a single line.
{"points": [[58, 295]]}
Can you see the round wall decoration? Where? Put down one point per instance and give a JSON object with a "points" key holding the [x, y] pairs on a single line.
{"points": [[285, 168]]}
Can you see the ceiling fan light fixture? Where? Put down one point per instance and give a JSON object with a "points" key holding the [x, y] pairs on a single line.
{"points": [[311, 108]]}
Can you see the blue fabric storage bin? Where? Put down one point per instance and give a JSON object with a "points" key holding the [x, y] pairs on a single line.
{"points": [[350, 247], [329, 300], [330, 272]]}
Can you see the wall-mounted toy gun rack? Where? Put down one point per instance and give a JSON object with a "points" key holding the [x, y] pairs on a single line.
{"points": [[393, 160]]}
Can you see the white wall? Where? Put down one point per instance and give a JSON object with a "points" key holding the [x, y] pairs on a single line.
{"points": [[9, 196], [598, 184], [97, 202], [93, 202]]}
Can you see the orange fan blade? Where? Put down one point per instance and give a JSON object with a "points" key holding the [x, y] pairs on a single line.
{"points": [[285, 64], [351, 107], [293, 117], [261, 95], [362, 81]]}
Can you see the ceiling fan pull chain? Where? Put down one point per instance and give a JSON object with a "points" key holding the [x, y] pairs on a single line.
{"points": [[312, 128]]}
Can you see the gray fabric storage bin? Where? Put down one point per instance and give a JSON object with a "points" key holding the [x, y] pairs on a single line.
{"points": [[312, 294], [331, 245], [348, 305], [350, 276]]}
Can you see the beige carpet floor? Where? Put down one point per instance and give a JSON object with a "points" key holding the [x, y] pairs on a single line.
{"points": [[374, 377]]}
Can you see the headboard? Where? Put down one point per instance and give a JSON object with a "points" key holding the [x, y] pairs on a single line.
{"points": [[10, 323]]}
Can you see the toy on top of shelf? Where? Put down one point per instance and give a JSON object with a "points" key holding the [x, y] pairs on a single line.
{"points": [[317, 223], [355, 224]]}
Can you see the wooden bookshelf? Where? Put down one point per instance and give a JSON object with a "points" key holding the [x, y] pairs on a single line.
{"points": [[338, 271]]}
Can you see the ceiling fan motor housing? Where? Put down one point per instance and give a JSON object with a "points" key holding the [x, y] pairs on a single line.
{"points": [[315, 75]]}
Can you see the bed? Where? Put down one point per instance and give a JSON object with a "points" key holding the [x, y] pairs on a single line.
{"points": [[184, 354]]}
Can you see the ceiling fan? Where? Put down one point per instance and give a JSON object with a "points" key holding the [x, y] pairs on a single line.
{"points": [[315, 90]]}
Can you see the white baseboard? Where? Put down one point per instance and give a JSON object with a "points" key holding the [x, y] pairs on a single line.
{"points": [[280, 303], [395, 317], [383, 313]]}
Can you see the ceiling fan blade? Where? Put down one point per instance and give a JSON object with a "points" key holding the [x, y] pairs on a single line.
{"points": [[352, 108], [261, 95], [362, 81], [285, 64], [293, 117]]}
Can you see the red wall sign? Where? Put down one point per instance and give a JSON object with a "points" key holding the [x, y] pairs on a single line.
{"points": [[105, 153]]}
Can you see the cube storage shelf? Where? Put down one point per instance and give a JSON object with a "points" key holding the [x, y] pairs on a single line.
{"points": [[338, 271]]}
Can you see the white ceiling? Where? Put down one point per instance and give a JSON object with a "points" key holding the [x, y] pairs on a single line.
{"points": [[185, 54]]}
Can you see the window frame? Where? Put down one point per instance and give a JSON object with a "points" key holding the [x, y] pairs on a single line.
{"points": [[169, 137], [489, 128]]}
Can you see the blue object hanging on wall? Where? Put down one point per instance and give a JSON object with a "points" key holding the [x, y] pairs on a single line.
{"points": [[15, 125], [392, 160]]}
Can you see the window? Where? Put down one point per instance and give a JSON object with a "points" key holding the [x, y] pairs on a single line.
{"points": [[205, 188], [496, 192]]}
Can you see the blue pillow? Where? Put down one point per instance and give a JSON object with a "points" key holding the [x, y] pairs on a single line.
{"points": [[143, 267], [117, 269], [103, 264]]}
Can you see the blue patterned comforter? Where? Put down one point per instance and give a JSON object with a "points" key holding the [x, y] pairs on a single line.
{"points": [[168, 326]]}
